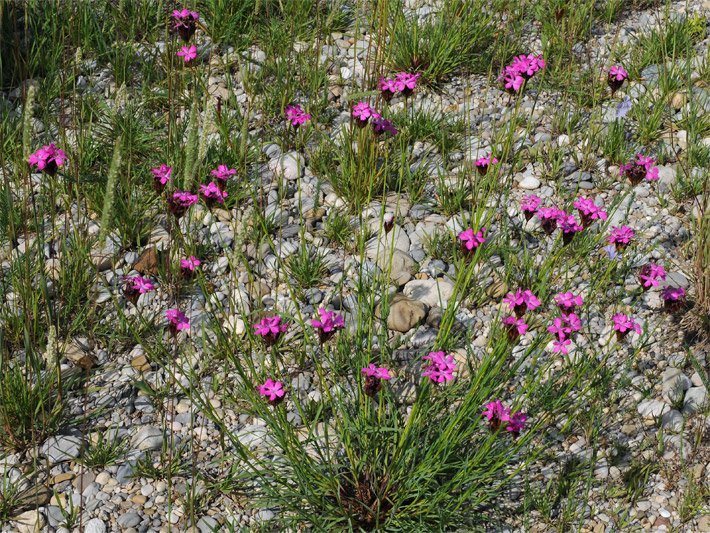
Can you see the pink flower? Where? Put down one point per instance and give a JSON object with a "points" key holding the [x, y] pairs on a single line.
{"points": [[185, 23], [212, 193], [650, 273], [272, 390], [569, 224], [549, 218], [296, 115], [564, 325], [134, 286], [378, 372], [328, 323], [188, 53], [382, 125], [161, 175], [516, 423], [406, 82], [190, 264], [643, 167], [362, 112], [178, 320], [496, 414], [521, 301], [223, 172], [620, 236], [470, 240], [560, 346], [440, 368], [482, 163], [512, 80], [516, 326], [388, 87], [48, 159], [180, 201], [567, 301], [270, 329], [623, 324], [673, 294], [589, 211], [618, 73]]}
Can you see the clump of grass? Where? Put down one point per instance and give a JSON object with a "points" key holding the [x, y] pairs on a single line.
{"points": [[338, 228], [106, 449], [307, 267]]}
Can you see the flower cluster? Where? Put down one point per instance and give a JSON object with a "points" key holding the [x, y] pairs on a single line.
{"points": [[470, 239], [529, 205], [365, 114], [213, 194], [440, 368], [185, 23], [270, 329], [620, 237], [161, 176], [482, 164], [616, 77], [624, 324], [589, 211], [521, 69], [521, 301], [515, 327], [568, 301], [374, 376], [222, 173], [403, 82], [563, 327], [642, 167], [327, 323], [296, 116], [189, 266], [180, 202], [549, 218], [569, 226], [48, 159], [272, 390], [553, 217], [650, 273], [499, 415], [188, 53], [177, 320], [673, 298], [134, 286]]}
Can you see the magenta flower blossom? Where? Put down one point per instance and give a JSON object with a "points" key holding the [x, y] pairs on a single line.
{"points": [[560, 346], [623, 324], [178, 321], [523, 67], [512, 80], [134, 286], [185, 22], [643, 167], [516, 423], [589, 211], [482, 164], [620, 237], [296, 115], [189, 266], [440, 368], [521, 301], [272, 390], [564, 325], [498, 414], [362, 112], [161, 176], [569, 226], [388, 87], [180, 201], [48, 159], [471, 240], [188, 53], [270, 329], [616, 77], [549, 218], [381, 125], [650, 273], [327, 323], [568, 301], [374, 376], [223, 172], [529, 205], [515, 327], [213, 194], [406, 82], [673, 298]]}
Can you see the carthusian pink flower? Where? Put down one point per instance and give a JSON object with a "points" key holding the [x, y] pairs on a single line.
{"points": [[134, 286], [616, 77], [374, 376], [440, 368], [549, 218], [161, 176], [189, 266], [48, 159], [177, 320], [406, 82], [515, 327], [512, 79], [272, 390], [499, 415], [327, 323], [642, 167], [296, 115], [673, 298], [561, 346], [567, 301], [569, 226], [589, 211], [223, 172], [516, 423], [188, 53], [388, 87], [529, 205], [523, 67], [381, 125], [213, 194], [185, 23], [620, 237], [521, 301], [650, 273], [180, 201], [362, 112], [623, 324], [564, 325], [482, 164], [471, 240], [270, 329]]}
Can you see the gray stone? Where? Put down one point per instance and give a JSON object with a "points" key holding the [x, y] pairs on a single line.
{"points": [[129, 520], [62, 447], [404, 313], [432, 292], [148, 438], [289, 165], [529, 183], [402, 266], [652, 408], [95, 525], [207, 524], [695, 399], [672, 420]]}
